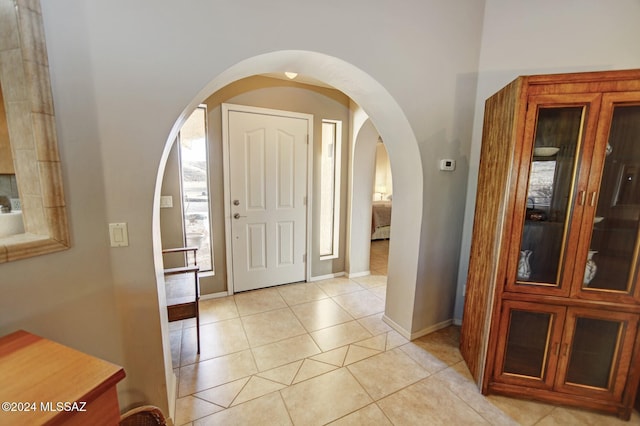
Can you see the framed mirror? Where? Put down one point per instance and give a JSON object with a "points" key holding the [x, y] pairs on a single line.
{"points": [[30, 120]]}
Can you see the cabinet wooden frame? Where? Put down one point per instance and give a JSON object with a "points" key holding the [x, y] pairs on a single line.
{"points": [[492, 287]]}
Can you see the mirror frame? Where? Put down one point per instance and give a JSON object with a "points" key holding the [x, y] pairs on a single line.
{"points": [[24, 75]]}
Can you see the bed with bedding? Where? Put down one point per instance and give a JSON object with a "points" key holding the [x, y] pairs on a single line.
{"points": [[381, 220]]}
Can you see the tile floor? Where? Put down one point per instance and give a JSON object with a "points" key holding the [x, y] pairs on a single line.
{"points": [[319, 353]]}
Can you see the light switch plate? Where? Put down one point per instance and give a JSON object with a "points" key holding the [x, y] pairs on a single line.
{"points": [[166, 201], [118, 234]]}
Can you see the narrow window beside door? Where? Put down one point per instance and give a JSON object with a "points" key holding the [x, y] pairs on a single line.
{"points": [[194, 169], [330, 188]]}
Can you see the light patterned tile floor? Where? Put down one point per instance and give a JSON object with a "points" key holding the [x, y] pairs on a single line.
{"points": [[319, 353]]}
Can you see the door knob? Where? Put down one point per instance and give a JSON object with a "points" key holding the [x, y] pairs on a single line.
{"points": [[236, 202], [237, 216]]}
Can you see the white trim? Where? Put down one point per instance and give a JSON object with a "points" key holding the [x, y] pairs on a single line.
{"points": [[172, 394], [358, 274], [206, 274], [227, 195], [310, 151], [217, 295], [411, 336], [326, 277], [457, 321], [225, 109], [431, 329]]}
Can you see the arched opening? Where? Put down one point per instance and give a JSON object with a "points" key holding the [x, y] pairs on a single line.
{"points": [[392, 126], [362, 191]]}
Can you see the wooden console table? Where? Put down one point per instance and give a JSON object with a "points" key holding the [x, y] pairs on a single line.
{"points": [[185, 306], [43, 382]]}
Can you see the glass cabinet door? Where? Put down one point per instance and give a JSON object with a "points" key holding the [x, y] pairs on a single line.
{"points": [[596, 351], [551, 179], [610, 267], [530, 342], [547, 216]]}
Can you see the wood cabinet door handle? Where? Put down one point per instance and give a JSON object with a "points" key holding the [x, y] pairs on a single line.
{"points": [[581, 197], [593, 199]]}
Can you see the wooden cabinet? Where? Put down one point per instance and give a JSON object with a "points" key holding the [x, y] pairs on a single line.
{"points": [[43, 382], [572, 350], [553, 299]]}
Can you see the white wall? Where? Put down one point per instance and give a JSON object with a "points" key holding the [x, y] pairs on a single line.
{"points": [[123, 73], [542, 37]]}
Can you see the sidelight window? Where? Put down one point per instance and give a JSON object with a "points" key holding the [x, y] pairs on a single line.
{"points": [[330, 188], [194, 170]]}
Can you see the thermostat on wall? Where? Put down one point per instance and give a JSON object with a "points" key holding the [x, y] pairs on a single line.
{"points": [[447, 165]]}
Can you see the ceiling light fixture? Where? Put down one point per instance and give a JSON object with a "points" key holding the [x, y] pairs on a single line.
{"points": [[291, 75]]}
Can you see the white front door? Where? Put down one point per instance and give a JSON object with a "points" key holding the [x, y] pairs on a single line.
{"points": [[267, 195]]}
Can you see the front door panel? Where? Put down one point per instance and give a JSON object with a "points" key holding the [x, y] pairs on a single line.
{"points": [[268, 188]]}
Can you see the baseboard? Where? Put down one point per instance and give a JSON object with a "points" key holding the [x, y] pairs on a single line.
{"points": [[214, 295], [358, 274], [457, 321], [326, 277], [391, 323], [411, 336], [431, 329]]}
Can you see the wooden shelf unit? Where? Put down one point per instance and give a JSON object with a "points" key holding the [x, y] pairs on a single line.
{"points": [[544, 329]]}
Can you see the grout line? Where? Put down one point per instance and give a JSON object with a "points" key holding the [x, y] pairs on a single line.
{"points": [[286, 407]]}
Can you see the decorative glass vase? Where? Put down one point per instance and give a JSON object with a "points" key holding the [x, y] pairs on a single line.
{"points": [[524, 269], [591, 268]]}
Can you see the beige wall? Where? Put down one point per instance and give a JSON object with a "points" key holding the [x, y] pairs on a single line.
{"points": [[122, 77], [171, 218]]}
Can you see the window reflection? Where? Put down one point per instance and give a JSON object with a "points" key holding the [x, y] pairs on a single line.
{"points": [[541, 188]]}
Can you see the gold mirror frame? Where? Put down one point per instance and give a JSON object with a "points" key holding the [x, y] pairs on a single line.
{"points": [[24, 75]]}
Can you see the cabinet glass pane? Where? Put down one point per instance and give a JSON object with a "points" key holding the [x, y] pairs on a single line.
{"points": [[527, 343], [551, 177], [614, 241], [595, 343]]}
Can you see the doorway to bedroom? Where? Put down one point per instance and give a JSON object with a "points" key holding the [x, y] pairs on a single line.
{"points": [[382, 195]]}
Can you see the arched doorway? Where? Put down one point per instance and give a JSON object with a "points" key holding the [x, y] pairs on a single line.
{"points": [[362, 177], [402, 148]]}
